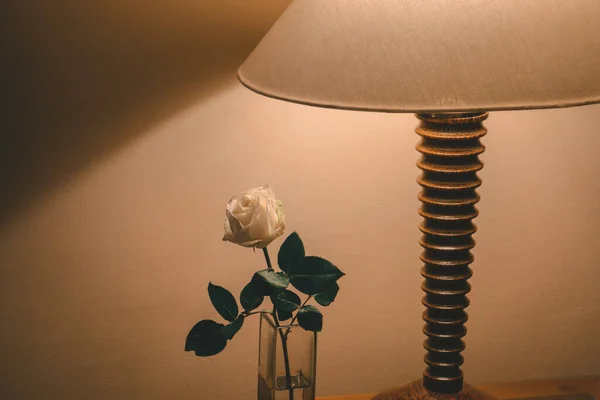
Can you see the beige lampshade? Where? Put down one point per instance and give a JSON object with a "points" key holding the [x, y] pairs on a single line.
{"points": [[431, 55]]}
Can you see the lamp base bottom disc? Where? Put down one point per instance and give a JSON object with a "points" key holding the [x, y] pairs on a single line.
{"points": [[416, 391]]}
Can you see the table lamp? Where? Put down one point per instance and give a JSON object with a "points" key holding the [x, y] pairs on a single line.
{"points": [[449, 62]]}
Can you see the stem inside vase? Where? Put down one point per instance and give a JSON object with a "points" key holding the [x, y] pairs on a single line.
{"points": [[286, 361]]}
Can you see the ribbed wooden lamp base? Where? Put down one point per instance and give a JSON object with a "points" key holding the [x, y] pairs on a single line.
{"points": [[450, 149]]}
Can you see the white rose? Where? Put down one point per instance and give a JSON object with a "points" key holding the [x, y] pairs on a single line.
{"points": [[254, 218]]}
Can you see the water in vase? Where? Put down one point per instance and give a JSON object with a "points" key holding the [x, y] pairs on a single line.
{"points": [[277, 388]]}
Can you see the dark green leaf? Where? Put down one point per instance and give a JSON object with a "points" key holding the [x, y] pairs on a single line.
{"points": [[310, 319], [270, 282], [223, 301], [230, 330], [315, 275], [283, 315], [206, 338], [291, 252], [327, 297], [251, 296], [286, 301]]}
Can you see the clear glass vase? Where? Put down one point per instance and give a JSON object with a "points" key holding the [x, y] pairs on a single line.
{"points": [[282, 349]]}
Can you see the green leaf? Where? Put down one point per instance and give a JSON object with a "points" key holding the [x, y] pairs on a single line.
{"points": [[315, 275], [327, 297], [206, 339], [251, 296], [223, 301], [271, 282], [230, 330], [291, 252], [283, 315], [310, 318], [286, 301]]}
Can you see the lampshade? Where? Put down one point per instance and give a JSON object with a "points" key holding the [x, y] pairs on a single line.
{"points": [[431, 55]]}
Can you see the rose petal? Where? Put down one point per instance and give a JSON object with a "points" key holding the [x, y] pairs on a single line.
{"points": [[273, 221], [246, 203], [234, 224], [228, 235], [252, 243], [263, 243], [233, 203], [245, 217], [244, 238], [280, 229], [268, 191], [259, 227]]}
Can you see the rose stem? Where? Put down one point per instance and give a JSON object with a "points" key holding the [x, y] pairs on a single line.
{"points": [[267, 258], [286, 357]]}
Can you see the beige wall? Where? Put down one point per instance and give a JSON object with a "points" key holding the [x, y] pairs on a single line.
{"points": [[128, 135]]}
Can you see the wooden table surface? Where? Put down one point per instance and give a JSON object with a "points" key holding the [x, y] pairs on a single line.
{"points": [[516, 390]]}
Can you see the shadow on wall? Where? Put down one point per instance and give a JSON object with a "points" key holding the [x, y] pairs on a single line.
{"points": [[85, 77]]}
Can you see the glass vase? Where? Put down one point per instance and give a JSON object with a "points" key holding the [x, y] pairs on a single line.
{"points": [[287, 358]]}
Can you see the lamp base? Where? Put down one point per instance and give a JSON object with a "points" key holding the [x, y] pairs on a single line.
{"points": [[416, 391]]}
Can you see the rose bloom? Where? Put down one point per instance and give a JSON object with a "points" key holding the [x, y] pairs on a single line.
{"points": [[254, 218]]}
